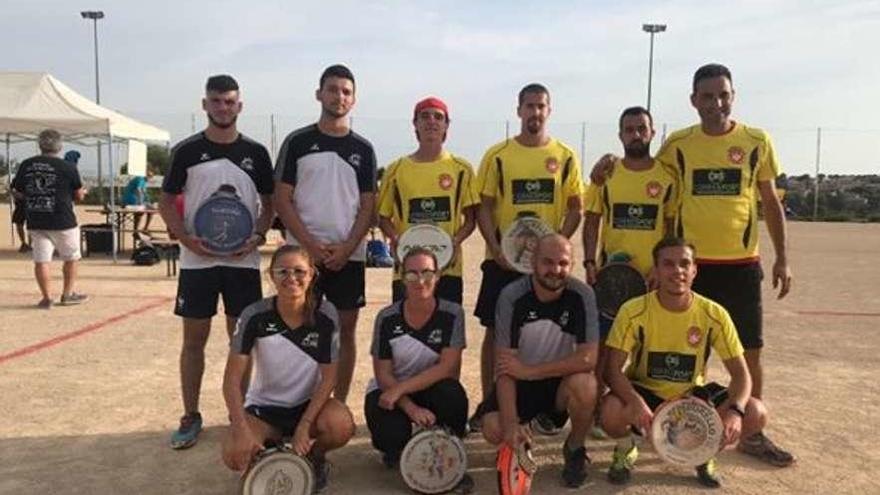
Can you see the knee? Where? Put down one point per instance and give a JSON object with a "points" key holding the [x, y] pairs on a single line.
{"points": [[613, 417], [756, 416], [335, 423], [581, 389]]}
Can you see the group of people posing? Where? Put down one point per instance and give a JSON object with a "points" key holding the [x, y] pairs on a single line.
{"points": [[686, 218]]}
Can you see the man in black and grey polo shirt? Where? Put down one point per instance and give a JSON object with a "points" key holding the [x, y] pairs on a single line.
{"points": [[546, 343], [218, 157], [325, 193]]}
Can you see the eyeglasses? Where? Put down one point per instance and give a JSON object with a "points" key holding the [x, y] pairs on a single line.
{"points": [[283, 273], [412, 276]]}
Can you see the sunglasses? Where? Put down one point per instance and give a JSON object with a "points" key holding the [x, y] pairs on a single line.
{"points": [[283, 273], [412, 276]]}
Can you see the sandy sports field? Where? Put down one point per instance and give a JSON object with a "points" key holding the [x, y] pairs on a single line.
{"points": [[90, 393]]}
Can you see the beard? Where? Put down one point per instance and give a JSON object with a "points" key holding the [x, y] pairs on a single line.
{"points": [[551, 283], [222, 125], [332, 112], [534, 126], [637, 149]]}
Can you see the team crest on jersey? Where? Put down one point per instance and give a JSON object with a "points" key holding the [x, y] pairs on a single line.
{"points": [[736, 154], [445, 181], [551, 164], [532, 315], [311, 340], [247, 163], [355, 160], [653, 189], [398, 330], [563, 318], [695, 335], [271, 327], [436, 336], [204, 157]]}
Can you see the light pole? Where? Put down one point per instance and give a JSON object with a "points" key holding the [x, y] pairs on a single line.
{"points": [[94, 16], [652, 29]]}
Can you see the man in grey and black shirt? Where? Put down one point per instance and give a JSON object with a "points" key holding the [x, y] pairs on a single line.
{"points": [[546, 343]]}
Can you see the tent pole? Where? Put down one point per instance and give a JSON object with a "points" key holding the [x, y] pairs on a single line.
{"points": [[9, 189], [113, 226]]}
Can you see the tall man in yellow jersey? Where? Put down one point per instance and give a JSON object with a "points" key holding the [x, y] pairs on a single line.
{"points": [[532, 174], [430, 186], [667, 335], [723, 168]]}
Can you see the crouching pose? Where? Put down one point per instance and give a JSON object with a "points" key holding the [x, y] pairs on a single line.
{"points": [[417, 345], [292, 341]]}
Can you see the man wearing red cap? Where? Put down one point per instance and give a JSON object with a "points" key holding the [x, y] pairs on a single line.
{"points": [[430, 186]]}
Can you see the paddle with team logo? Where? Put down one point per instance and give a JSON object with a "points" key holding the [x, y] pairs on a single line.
{"points": [[278, 469], [430, 237], [687, 431], [515, 469], [520, 240], [223, 223], [433, 461]]}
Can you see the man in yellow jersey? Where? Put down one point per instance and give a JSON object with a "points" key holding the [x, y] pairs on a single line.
{"points": [[667, 335], [532, 174], [633, 209], [723, 168], [430, 186]]}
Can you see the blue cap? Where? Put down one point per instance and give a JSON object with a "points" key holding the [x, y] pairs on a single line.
{"points": [[72, 156]]}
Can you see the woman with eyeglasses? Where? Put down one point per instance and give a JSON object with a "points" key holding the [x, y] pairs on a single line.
{"points": [[417, 345], [292, 341]]}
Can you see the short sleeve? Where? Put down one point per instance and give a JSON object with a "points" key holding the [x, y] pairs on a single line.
{"points": [[264, 178], [457, 339], [175, 178], [469, 197], [245, 333], [285, 165], [573, 186], [381, 346], [330, 326], [593, 200], [504, 320], [386, 191], [366, 172], [591, 315], [725, 341], [487, 176], [768, 168], [622, 336]]}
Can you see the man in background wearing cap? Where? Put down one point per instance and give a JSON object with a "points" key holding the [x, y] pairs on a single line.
{"points": [[531, 174], [430, 186], [325, 194], [49, 186], [72, 157]]}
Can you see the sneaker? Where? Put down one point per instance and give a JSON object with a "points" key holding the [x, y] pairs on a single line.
{"points": [[543, 424], [44, 304], [707, 474], [390, 461], [321, 468], [598, 433], [475, 422], [622, 464], [186, 435], [465, 486], [758, 445], [574, 472], [73, 298]]}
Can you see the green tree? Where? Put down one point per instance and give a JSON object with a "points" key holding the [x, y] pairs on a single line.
{"points": [[159, 158]]}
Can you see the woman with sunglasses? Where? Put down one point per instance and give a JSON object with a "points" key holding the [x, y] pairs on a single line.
{"points": [[417, 345], [292, 341]]}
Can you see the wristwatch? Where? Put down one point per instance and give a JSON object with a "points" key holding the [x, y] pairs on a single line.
{"points": [[737, 409]]}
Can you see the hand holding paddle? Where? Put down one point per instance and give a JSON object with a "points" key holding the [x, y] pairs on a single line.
{"points": [[241, 449], [302, 441]]}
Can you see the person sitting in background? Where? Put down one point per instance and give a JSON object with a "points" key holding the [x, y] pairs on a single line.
{"points": [[135, 195]]}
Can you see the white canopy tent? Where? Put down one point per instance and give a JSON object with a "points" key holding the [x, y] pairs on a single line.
{"points": [[33, 101]]}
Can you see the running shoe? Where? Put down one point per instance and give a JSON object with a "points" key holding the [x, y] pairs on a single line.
{"points": [[758, 445], [475, 422], [622, 464], [543, 424], [73, 299], [707, 474], [321, 468], [574, 472], [186, 435]]}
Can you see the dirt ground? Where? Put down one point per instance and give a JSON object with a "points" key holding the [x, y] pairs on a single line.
{"points": [[90, 393]]}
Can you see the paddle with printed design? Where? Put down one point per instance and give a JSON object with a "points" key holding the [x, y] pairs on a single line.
{"points": [[687, 431], [433, 461], [617, 283], [222, 222], [515, 467], [277, 470], [520, 240], [430, 237]]}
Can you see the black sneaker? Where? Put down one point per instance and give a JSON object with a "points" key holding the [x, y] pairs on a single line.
{"points": [[707, 474], [574, 472], [321, 469], [391, 461], [543, 424], [475, 423]]}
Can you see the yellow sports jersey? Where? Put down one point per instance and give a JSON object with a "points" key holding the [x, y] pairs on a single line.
{"points": [[668, 350], [434, 192], [529, 181], [633, 206], [719, 176]]}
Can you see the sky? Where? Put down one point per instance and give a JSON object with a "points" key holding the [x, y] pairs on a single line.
{"points": [[797, 66]]}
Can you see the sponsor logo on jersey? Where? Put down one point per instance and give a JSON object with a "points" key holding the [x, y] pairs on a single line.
{"points": [[355, 160], [445, 181], [671, 366], [532, 315], [435, 209], [315, 147], [717, 182], [398, 330], [538, 191], [247, 163], [436, 336], [204, 157], [695, 335], [563, 318], [634, 216], [310, 340], [653, 189], [736, 154], [271, 327], [551, 164], [180, 303]]}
